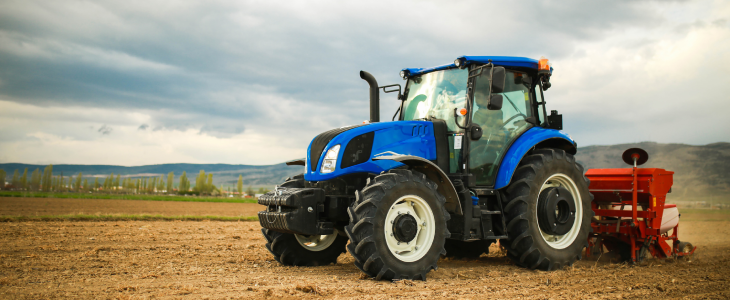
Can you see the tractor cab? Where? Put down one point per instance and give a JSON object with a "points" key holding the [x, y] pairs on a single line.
{"points": [[496, 99]]}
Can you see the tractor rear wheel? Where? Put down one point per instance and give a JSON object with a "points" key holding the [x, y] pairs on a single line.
{"points": [[460, 249], [397, 226], [548, 211]]}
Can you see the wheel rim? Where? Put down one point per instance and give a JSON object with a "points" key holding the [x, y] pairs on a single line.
{"points": [[316, 242], [425, 231], [565, 240]]}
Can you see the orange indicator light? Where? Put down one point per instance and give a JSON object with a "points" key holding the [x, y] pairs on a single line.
{"points": [[462, 111], [543, 64]]}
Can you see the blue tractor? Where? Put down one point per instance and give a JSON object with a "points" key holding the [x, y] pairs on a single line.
{"points": [[470, 157]]}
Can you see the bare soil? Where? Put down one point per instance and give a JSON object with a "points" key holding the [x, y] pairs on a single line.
{"points": [[14, 206], [158, 259], [211, 259]]}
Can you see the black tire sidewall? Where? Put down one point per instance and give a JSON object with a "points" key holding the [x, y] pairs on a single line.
{"points": [[393, 194], [569, 169]]}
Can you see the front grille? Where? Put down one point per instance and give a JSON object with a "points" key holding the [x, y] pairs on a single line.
{"points": [[321, 141], [358, 150]]}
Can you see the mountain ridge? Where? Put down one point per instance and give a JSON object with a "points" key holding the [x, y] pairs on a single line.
{"points": [[701, 171]]}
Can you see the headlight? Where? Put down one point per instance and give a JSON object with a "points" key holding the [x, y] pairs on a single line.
{"points": [[404, 74], [330, 160]]}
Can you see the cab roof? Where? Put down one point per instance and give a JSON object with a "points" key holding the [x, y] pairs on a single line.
{"points": [[505, 61]]}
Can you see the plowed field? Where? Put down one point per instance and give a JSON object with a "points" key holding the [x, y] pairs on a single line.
{"points": [[54, 206], [193, 260]]}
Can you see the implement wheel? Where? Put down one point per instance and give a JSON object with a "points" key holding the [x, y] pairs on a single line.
{"points": [[548, 211], [397, 226]]}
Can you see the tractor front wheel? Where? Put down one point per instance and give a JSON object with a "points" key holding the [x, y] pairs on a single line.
{"points": [[397, 226], [548, 211], [302, 250]]}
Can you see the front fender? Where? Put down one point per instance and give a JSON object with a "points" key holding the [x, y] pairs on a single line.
{"points": [[528, 140], [435, 174]]}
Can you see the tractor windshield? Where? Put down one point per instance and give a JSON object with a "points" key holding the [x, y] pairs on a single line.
{"points": [[435, 95]]}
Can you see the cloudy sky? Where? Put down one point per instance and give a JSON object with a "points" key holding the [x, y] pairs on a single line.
{"points": [[252, 82]]}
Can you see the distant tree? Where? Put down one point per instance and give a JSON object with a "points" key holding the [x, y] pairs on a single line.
{"points": [[249, 191], [77, 185], [240, 184], [24, 179], [161, 184], [47, 183], [35, 180], [96, 183], [170, 178], [209, 185], [184, 183], [200, 182], [15, 182], [86, 184], [116, 183], [2, 178], [263, 190]]}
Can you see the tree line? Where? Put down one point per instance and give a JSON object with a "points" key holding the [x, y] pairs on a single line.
{"points": [[46, 182]]}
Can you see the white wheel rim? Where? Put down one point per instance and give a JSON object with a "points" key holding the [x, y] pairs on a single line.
{"points": [[316, 242], [425, 232], [565, 240]]}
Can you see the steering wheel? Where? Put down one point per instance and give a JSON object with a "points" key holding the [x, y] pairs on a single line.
{"points": [[524, 117]]}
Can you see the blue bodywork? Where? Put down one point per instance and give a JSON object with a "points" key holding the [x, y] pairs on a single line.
{"points": [[514, 155], [414, 138], [505, 61]]}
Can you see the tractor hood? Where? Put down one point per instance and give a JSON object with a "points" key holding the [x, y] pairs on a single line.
{"points": [[360, 143]]}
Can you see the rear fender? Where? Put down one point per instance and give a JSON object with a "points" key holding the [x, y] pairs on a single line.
{"points": [[435, 174], [536, 137]]}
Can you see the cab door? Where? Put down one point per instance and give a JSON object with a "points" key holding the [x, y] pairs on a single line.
{"points": [[500, 127]]}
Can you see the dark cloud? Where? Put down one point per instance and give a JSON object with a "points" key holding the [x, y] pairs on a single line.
{"points": [[221, 61], [143, 127], [105, 129]]}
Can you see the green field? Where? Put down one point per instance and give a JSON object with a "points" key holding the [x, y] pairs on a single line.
{"points": [[126, 197], [122, 217], [704, 214]]}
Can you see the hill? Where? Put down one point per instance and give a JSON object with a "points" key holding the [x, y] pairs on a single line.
{"points": [[701, 172], [223, 174]]}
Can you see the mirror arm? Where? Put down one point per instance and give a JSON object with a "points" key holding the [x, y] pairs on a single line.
{"points": [[396, 113], [400, 96], [544, 110], [457, 122]]}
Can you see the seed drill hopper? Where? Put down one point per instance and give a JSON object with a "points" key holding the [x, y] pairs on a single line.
{"points": [[631, 213]]}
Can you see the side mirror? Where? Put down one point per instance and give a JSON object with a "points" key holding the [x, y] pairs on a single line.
{"points": [[499, 76], [475, 132], [495, 102]]}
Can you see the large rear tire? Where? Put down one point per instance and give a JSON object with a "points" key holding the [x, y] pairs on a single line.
{"points": [[397, 226], [548, 211]]}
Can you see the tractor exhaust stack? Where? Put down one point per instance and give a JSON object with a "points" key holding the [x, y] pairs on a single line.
{"points": [[374, 96]]}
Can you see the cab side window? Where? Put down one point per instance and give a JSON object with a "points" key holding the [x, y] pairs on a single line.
{"points": [[499, 127]]}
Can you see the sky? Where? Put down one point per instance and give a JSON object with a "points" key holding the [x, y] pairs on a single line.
{"points": [[253, 82]]}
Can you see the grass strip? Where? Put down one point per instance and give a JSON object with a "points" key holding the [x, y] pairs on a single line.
{"points": [[123, 217], [125, 197]]}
